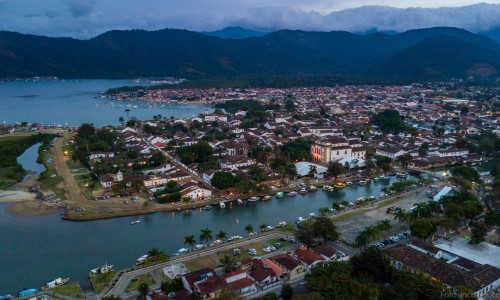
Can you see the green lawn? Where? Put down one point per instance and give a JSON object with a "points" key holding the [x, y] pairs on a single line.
{"points": [[244, 251], [148, 278], [199, 263], [102, 281], [71, 289]]}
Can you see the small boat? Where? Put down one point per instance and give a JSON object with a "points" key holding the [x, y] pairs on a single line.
{"points": [[360, 200], [339, 185], [371, 198], [208, 207], [312, 188], [376, 179], [401, 175], [239, 201], [312, 215], [266, 197], [56, 282], [27, 292], [362, 182], [292, 194], [103, 269], [300, 219], [348, 183], [222, 204], [302, 191], [141, 259], [253, 199], [327, 188], [5, 297], [383, 177], [280, 195], [181, 251], [135, 222], [281, 224]]}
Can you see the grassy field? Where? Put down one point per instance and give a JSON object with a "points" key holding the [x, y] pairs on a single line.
{"points": [[148, 278], [244, 250], [71, 289], [200, 262], [50, 182], [4, 181], [102, 281]]}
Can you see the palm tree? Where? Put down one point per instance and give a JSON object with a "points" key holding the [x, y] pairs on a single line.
{"points": [[228, 263], [153, 252], [189, 240], [249, 229], [127, 111], [313, 170], [345, 203], [384, 225], [362, 239], [336, 206], [221, 235], [206, 235], [262, 227]]}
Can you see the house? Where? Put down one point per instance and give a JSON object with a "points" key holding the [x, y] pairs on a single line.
{"points": [[426, 248], [392, 152], [264, 276], [330, 253], [443, 192], [108, 180], [451, 153], [193, 190], [101, 154], [292, 267], [210, 288], [189, 279], [308, 258], [208, 175], [239, 282], [479, 278], [236, 162], [335, 148]]}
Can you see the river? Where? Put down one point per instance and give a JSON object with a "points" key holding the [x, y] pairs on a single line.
{"points": [[38, 249], [28, 161], [72, 102]]}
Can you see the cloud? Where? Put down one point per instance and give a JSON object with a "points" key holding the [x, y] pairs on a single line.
{"points": [[80, 8]]}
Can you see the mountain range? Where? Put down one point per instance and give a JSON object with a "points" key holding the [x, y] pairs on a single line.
{"points": [[434, 53]]}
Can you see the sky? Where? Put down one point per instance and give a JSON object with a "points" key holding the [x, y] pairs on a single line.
{"points": [[88, 18]]}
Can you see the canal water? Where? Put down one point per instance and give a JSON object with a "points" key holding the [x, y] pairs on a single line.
{"points": [[35, 250], [28, 161], [72, 102]]}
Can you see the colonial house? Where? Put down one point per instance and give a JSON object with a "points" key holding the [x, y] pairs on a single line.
{"points": [[211, 287], [392, 152], [426, 248], [263, 275], [194, 191], [208, 175], [154, 180], [330, 253], [335, 148], [236, 162], [108, 180], [189, 279], [308, 258], [454, 273], [292, 267], [450, 153], [239, 282]]}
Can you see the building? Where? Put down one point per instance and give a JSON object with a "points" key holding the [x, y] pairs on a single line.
{"points": [[392, 152], [239, 282], [236, 162], [335, 148]]}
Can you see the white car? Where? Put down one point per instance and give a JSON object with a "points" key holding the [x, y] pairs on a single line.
{"points": [[267, 249], [252, 251]]}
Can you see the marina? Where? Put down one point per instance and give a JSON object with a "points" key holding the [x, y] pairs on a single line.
{"points": [[165, 231]]}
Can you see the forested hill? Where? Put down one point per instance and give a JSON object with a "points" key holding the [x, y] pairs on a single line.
{"points": [[433, 53]]}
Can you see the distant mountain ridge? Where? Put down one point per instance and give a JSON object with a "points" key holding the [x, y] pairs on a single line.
{"points": [[235, 33], [433, 53]]}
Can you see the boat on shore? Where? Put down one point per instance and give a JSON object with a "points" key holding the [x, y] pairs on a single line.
{"points": [[292, 194], [280, 195], [362, 182], [401, 175], [281, 224], [302, 191], [55, 283], [376, 179], [27, 292], [383, 176], [312, 188], [266, 197], [135, 222], [253, 199], [348, 183], [141, 259], [222, 204], [101, 270], [327, 188], [239, 201], [208, 207]]}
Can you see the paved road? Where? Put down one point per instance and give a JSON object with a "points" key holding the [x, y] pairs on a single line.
{"points": [[120, 288]]}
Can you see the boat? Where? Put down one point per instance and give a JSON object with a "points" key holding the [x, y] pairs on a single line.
{"points": [[135, 222], [103, 269], [280, 195], [401, 175], [27, 292], [208, 207], [312, 215], [372, 198], [360, 200], [5, 297], [362, 182], [181, 251], [266, 197], [302, 191], [383, 176], [348, 183], [141, 259], [339, 185], [56, 282], [281, 224], [239, 201], [253, 199], [312, 188], [156, 213], [327, 188], [292, 194], [222, 204], [300, 219], [376, 179]]}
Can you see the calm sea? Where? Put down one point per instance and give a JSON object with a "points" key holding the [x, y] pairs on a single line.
{"points": [[72, 102]]}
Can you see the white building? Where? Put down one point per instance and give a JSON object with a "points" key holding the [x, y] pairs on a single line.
{"points": [[335, 148]]}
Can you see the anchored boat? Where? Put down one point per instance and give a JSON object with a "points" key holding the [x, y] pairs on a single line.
{"points": [[280, 195], [56, 282]]}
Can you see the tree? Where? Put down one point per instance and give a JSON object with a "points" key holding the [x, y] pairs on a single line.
{"points": [[405, 159], [121, 120], [423, 228], [362, 239], [389, 121], [478, 232], [286, 291], [324, 228], [263, 227], [206, 235], [374, 263], [86, 130], [127, 111], [171, 285], [228, 263], [384, 225], [189, 240], [91, 186], [257, 173], [249, 228], [143, 289], [422, 150], [313, 170], [270, 296], [492, 218], [221, 235], [465, 172], [335, 169], [223, 180], [306, 235]]}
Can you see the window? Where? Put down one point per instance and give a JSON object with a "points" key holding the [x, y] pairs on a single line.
{"points": [[345, 152], [337, 152]]}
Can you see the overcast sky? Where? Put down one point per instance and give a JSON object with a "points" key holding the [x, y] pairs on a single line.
{"points": [[87, 18]]}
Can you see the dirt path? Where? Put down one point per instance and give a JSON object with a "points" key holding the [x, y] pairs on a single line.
{"points": [[72, 189]]}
